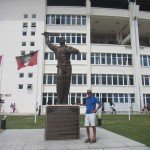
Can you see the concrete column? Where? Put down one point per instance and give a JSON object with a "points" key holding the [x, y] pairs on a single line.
{"points": [[88, 41], [133, 12]]}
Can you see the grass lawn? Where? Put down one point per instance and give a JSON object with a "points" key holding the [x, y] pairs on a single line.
{"points": [[138, 128]]}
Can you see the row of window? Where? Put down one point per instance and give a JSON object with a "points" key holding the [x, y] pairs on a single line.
{"points": [[111, 79], [51, 56], [32, 33], [32, 43], [96, 79], [66, 19], [28, 86], [27, 15], [77, 79], [72, 38], [80, 98], [111, 59], [21, 75], [104, 58], [25, 24], [145, 60]]}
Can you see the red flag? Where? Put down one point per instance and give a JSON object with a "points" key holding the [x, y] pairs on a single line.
{"points": [[0, 59], [27, 60]]}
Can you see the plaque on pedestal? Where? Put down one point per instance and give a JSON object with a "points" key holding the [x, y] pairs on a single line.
{"points": [[62, 122]]}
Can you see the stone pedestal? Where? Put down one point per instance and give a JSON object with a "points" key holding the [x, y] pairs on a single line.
{"points": [[62, 122]]}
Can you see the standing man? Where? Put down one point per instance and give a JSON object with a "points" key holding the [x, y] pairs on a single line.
{"points": [[90, 117], [64, 69]]}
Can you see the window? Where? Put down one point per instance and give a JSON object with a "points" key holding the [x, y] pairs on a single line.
{"points": [[22, 53], [21, 75], [114, 59], [80, 79], [120, 80], [32, 43], [52, 19], [23, 43], [51, 56], [146, 80], [50, 79], [73, 19], [25, 16], [57, 19], [131, 81], [83, 20], [29, 86], [65, 19], [78, 20], [24, 33], [115, 80], [46, 56], [32, 33], [146, 99], [20, 86], [111, 59], [49, 98], [112, 79], [33, 24], [33, 15], [145, 60], [30, 75], [109, 79], [103, 79], [68, 19], [70, 38], [25, 24], [77, 79]]}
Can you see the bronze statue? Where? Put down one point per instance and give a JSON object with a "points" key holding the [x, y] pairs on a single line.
{"points": [[64, 69]]}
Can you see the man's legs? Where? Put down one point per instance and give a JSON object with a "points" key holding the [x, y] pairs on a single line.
{"points": [[94, 133], [88, 132], [87, 125]]}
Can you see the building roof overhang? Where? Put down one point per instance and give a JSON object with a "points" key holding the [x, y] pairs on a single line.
{"points": [[118, 4]]}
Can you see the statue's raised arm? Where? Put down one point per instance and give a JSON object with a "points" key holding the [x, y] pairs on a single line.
{"points": [[48, 42]]}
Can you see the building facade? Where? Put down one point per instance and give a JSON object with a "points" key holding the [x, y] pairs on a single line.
{"points": [[114, 41]]}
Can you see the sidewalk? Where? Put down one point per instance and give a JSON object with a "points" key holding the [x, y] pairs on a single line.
{"points": [[33, 139]]}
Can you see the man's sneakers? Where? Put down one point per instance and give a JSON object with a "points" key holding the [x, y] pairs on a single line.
{"points": [[87, 141], [93, 141], [90, 141]]}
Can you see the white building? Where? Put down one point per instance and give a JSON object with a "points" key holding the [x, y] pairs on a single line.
{"points": [[113, 38]]}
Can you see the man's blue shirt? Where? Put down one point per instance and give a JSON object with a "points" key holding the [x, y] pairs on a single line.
{"points": [[91, 104]]}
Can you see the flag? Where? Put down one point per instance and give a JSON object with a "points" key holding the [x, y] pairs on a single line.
{"points": [[27, 60], [0, 59]]}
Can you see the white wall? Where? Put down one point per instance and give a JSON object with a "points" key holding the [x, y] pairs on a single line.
{"points": [[11, 20]]}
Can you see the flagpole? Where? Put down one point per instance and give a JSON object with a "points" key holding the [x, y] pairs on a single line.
{"points": [[1, 73], [36, 89]]}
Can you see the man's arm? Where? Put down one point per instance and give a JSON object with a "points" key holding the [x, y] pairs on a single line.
{"points": [[48, 42], [100, 105]]}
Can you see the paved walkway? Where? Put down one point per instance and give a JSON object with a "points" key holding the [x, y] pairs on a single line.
{"points": [[33, 139]]}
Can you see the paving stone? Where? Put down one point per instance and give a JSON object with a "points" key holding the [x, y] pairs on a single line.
{"points": [[33, 139]]}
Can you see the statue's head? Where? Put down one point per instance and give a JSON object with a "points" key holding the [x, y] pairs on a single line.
{"points": [[62, 40]]}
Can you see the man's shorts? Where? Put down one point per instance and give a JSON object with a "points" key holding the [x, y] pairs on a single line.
{"points": [[90, 119]]}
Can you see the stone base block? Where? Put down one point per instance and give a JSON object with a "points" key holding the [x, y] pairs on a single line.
{"points": [[62, 122]]}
